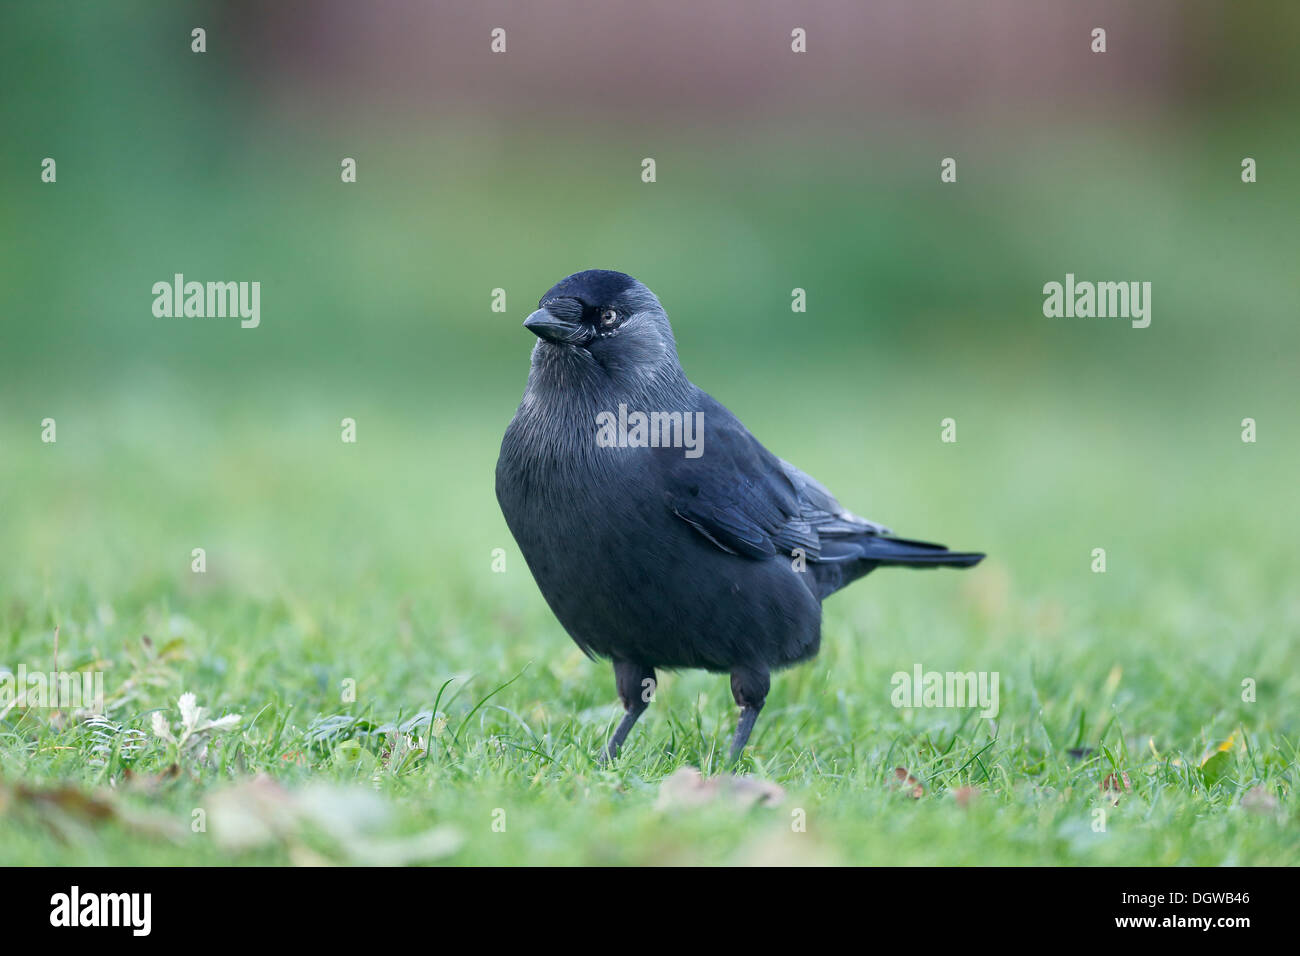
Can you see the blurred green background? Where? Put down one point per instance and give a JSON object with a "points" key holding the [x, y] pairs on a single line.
{"points": [[775, 170]]}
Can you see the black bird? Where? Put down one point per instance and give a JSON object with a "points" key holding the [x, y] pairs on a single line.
{"points": [[654, 553]]}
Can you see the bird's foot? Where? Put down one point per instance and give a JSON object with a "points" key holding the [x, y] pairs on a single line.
{"points": [[743, 729]]}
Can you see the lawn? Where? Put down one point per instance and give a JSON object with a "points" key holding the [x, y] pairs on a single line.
{"points": [[349, 595], [402, 692]]}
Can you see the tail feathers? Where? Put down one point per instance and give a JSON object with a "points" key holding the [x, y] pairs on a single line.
{"points": [[901, 552]]}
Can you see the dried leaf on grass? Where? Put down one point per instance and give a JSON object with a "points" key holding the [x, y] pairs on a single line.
{"points": [[1259, 799], [150, 783], [687, 787], [320, 823], [68, 812], [905, 781], [1114, 786], [781, 847]]}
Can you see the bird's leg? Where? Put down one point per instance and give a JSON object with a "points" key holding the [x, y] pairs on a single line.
{"points": [[749, 685], [636, 687]]}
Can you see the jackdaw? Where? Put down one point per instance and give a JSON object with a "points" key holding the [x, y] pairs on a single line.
{"points": [[659, 530]]}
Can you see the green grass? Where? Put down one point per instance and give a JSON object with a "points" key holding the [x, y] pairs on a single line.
{"points": [[372, 563]]}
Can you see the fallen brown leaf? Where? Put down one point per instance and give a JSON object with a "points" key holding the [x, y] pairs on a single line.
{"points": [[1258, 799], [908, 783], [66, 811], [150, 783], [320, 824], [687, 787], [1111, 786]]}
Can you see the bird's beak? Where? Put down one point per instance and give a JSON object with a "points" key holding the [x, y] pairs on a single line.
{"points": [[546, 326]]}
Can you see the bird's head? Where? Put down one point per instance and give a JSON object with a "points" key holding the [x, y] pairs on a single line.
{"points": [[610, 317]]}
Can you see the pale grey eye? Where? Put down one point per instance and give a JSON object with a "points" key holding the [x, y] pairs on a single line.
{"points": [[608, 318]]}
